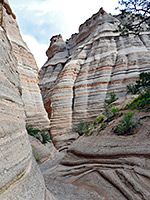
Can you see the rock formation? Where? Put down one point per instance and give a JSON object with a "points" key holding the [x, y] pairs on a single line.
{"points": [[81, 72], [28, 75], [104, 166], [115, 167], [42, 152], [20, 177]]}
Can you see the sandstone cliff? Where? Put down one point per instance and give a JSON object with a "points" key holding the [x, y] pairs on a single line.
{"points": [[28, 75], [81, 72], [20, 177]]}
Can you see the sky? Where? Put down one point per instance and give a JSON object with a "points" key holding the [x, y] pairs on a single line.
{"points": [[39, 20]]}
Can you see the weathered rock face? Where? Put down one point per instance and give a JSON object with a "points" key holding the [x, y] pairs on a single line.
{"points": [[57, 46], [20, 177], [28, 76], [98, 61], [41, 152], [5, 4], [104, 166], [115, 167]]}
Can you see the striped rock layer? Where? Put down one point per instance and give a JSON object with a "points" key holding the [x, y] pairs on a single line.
{"points": [[28, 76], [20, 177], [115, 167], [82, 72]]}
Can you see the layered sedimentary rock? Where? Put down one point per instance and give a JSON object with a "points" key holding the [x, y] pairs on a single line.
{"points": [[5, 4], [58, 100], [77, 78], [115, 167], [20, 177], [28, 75], [42, 152]]}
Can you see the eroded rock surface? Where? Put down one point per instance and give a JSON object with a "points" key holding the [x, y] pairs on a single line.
{"points": [[28, 76], [20, 177], [76, 80], [57, 183], [103, 167], [116, 167], [42, 152]]}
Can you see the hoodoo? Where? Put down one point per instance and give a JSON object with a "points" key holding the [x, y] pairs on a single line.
{"points": [[81, 72], [108, 157]]}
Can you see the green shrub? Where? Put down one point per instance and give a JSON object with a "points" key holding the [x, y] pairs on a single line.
{"points": [[111, 112], [40, 135], [115, 110], [142, 102], [45, 138], [33, 132], [107, 108], [98, 120], [112, 98], [141, 85], [103, 126], [132, 89], [127, 105], [91, 133], [107, 111], [126, 125], [82, 128], [38, 159]]}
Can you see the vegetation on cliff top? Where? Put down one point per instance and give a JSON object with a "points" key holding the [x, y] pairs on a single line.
{"points": [[136, 14]]}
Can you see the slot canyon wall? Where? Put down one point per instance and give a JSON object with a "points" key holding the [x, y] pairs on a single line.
{"points": [[81, 72], [28, 75], [20, 106]]}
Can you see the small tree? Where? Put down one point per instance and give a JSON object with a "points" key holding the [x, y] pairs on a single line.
{"points": [[126, 125], [135, 13], [141, 87], [142, 84], [107, 108]]}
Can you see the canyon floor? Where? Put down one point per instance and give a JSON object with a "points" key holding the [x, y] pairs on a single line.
{"points": [[102, 166], [57, 183]]}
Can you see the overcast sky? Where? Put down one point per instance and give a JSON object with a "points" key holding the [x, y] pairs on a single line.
{"points": [[39, 20]]}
